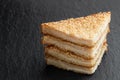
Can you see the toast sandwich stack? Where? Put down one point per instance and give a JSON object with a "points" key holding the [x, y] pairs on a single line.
{"points": [[76, 44]]}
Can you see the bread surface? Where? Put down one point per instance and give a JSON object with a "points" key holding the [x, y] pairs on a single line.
{"points": [[83, 30]]}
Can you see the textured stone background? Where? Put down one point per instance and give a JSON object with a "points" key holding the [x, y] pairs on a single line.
{"points": [[21, 54]]}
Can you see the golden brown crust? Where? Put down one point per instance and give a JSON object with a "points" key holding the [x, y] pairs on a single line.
{"points": [[83, 28]]}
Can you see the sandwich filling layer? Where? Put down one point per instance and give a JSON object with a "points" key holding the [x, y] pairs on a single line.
{"points": [[71, 57], [72, 67], [86, 52]]}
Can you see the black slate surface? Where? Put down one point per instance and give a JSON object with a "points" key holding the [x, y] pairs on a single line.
{"points": [[21, 54]]}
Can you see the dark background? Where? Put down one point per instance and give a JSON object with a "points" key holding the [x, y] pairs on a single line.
{"points": [[21, 54]]}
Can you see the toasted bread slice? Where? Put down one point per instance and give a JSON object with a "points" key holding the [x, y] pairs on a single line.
{"points": [[72, 67], [72, 57], [84, 51], [83, 31]]}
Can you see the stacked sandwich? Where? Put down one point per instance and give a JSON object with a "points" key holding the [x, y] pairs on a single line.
{"points": [[77, 44]]}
